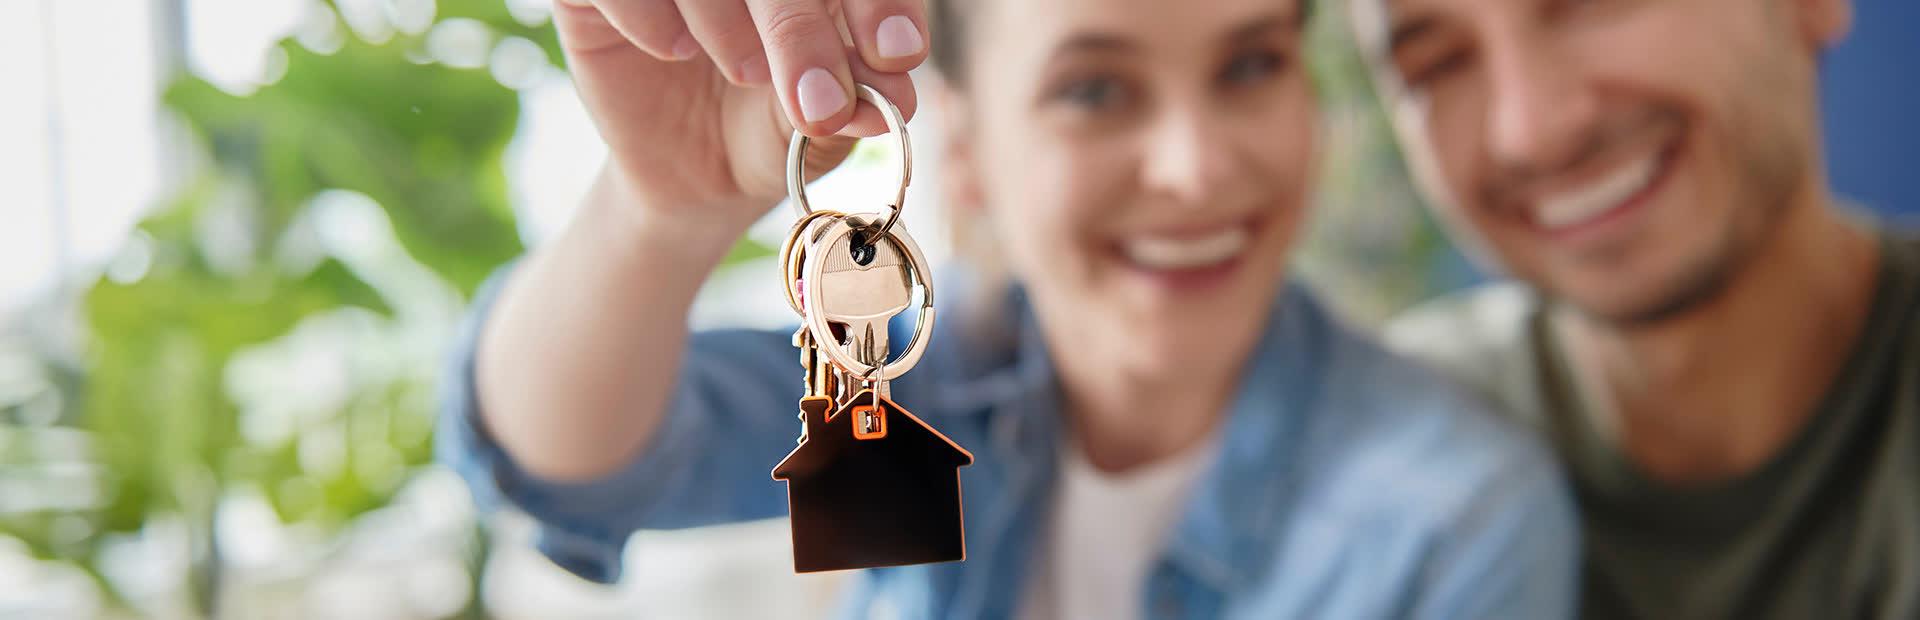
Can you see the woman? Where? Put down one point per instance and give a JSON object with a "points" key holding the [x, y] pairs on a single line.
{"points": [[1161, 424]]}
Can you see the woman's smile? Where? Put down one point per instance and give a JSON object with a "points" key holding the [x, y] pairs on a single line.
{"points": [[1188, 260]]}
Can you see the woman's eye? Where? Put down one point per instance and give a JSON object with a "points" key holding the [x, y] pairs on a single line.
{"points": [[1095, 93], [1251, 67]]}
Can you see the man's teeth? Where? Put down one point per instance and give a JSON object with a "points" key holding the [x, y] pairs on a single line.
{"points": [[1583, 204], [1165, 253]]}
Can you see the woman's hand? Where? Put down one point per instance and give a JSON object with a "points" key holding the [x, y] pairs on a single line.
{"points": [[696, 99]]}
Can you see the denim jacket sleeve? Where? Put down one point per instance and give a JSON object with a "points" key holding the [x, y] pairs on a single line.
{"points": [[730, 419]]}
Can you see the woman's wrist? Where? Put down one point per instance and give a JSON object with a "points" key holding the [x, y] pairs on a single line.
{"points": [[618, 219]]}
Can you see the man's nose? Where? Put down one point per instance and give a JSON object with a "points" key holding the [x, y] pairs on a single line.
{"points": [[1543, 109]]}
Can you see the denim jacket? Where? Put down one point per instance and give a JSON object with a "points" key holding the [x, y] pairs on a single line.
{"points": [[1348, 483]]}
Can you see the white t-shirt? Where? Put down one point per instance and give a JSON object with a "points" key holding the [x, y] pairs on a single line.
{"points": [[1105, 532]]}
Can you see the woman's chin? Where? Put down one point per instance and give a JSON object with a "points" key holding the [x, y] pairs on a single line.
{"points": [[1202, 341]]}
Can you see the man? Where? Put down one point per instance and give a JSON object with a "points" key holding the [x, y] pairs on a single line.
{"points": [[1724, 354]]}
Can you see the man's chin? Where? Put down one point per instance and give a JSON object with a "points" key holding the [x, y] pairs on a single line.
{"points": [[1628, 308]]}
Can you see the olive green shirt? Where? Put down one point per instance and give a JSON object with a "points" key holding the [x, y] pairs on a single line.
{"points": [[1828, 528]]}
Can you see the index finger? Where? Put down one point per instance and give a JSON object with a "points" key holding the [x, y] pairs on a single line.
{"points": [[891, 34]]}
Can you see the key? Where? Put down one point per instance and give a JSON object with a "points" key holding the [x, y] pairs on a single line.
{"points": [[823, 383], [809, 361], [819, 378], [863, 295]]}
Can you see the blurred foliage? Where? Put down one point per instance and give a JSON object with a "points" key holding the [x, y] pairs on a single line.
{"points": [[1372, 248], [232, 265]]}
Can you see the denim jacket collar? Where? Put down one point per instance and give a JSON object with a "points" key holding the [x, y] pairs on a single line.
{"points": [[1225, 537]]}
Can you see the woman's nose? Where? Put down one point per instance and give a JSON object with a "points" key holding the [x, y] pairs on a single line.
{"points": [[1186, 158]]}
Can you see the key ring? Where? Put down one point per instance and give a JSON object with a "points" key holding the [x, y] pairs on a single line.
{"points": [[790, 272], [797, 157], [817, 321]]}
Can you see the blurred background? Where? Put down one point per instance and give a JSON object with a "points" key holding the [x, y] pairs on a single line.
{"points": [[236, 235]]}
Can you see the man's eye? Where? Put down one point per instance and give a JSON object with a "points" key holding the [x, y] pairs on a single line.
{"points": [[1094, 93], [1565, 7], [1252, 67], [1426, 73]]}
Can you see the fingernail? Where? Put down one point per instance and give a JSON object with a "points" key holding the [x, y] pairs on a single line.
{"points": [[820, 95], [685, 47], [897, 37]]}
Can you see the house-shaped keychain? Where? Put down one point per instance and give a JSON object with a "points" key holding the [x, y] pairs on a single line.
{"points": [[872, 486]]}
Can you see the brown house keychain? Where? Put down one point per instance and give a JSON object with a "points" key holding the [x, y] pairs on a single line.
{"points": [[886, 495]]}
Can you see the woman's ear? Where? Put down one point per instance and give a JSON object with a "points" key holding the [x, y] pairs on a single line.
{"points": [[960, 167]]}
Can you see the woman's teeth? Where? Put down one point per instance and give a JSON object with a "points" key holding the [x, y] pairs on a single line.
{"points": [[1584, 204], [1187, 253]]}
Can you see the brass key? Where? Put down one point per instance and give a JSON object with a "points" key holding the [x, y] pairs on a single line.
{"points": [[823, 389]]}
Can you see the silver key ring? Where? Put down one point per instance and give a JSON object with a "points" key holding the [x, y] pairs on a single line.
{"points": [[797, 157], [837, 232]]}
